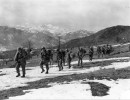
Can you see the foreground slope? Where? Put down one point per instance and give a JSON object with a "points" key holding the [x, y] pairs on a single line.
{"points": [[91, 82]]}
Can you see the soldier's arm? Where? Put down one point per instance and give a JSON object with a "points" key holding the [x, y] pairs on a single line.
{"points": [[16, 57], [41, 55]]}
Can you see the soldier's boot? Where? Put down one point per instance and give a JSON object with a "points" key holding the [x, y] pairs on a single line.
{"points": [[17, 70], [18, 75], [59, 68], [62, 68], [23, 76], [69, 64], [89, 58], [42, 68], [60, 65], [23, 70], [81, 63], [47, 68]]}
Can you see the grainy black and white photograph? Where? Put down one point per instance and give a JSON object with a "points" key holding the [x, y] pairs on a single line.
{"points": [[64, 49]]}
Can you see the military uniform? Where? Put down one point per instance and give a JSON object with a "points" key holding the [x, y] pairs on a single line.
{"points": [[20, 59], [59, 59], [44, 60], [51, 56], [99, 51], [69, 58], [91, 53], [81, 54], [63, 56]]}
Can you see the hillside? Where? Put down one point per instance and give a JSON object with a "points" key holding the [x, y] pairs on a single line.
{"points": [[11, 38], [76, 34], [115, 34]]}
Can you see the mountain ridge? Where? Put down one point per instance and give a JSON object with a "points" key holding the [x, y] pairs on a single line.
{"points": [[114, 34], [13, 37]]}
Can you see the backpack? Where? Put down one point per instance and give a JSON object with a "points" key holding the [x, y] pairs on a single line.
{"points": [[48, 55], [25, 54]]}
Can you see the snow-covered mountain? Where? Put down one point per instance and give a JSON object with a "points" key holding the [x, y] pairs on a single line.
{"points": [[77, 34], [45, 35], [11, 37], [54, 30]]}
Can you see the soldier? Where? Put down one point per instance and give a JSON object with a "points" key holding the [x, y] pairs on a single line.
{"points": [[109, 49], [51, 56], [29, 53], [20, 59], [69, 58], [63, 56], [99, 51], [44, 60], [81, 54], [103, 50], [91, 51], [59, 59]]}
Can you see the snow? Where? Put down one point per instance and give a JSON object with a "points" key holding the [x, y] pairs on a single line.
{"points": [[41, 28], [120, 89], [66, 91]]}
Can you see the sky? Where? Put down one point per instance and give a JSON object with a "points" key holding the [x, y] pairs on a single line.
{"points": [[91, 15]]}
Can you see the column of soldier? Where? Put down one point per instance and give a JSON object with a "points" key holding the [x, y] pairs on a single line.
{"points": [[63, 56]]}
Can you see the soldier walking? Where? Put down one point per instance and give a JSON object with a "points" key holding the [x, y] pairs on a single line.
{"points": [[59, 59], [44, 60], [99, 51], [20, 59], [63, 56], [91, 51], [50, 53], [81, 54], [69, 58]]}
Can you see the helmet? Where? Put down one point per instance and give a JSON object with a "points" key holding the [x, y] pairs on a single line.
{"points": [[43, 48], [19, 49]]}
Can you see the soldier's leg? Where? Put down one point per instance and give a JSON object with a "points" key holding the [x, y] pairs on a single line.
{"points": [[69, 63], [47, 68], [23, 69], [81, 62], [64, 61], [17, 69], [52, 60], [58, 64], [78, 61], [90, 57], [61, 64], [41, 66]]}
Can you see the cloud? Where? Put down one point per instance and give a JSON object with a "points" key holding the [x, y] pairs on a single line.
{"points": [[76, 14]]}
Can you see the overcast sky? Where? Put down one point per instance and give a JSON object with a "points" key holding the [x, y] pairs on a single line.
{"points": [[92, 15]]}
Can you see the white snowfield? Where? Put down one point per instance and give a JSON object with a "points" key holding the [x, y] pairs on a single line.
{"points": [[74, 90]]}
